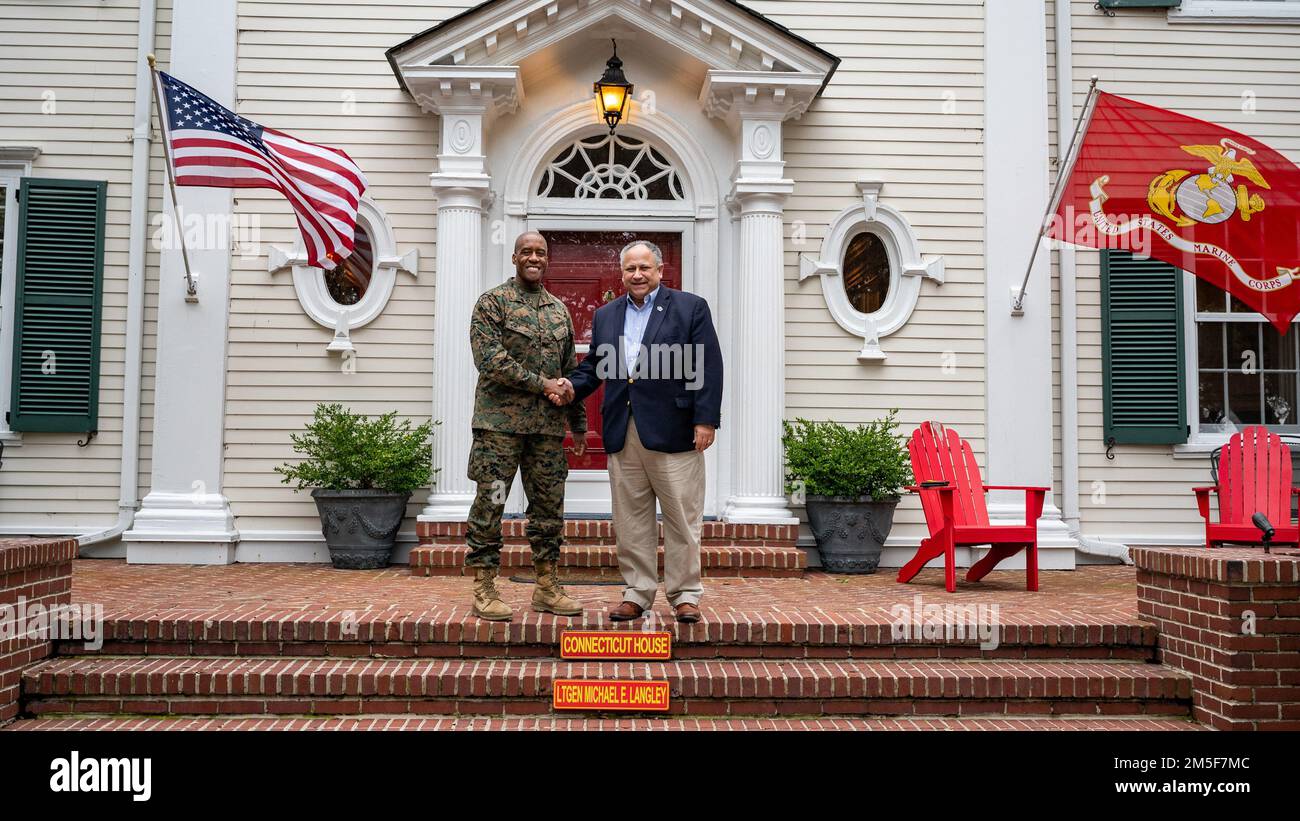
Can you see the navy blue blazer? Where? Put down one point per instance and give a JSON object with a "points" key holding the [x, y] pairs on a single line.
{"points": [[678, 381]]}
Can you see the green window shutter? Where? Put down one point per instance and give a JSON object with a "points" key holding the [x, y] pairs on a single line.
{"points": [[1143, 373], [1108, 5], [57, 310]]}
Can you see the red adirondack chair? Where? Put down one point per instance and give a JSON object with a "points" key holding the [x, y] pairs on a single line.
{"points": [[1254, 477], [956, 513]]}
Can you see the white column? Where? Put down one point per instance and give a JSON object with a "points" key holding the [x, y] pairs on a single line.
{"points": [[459, 267], [465, 101], [756, 104], [185, 518], [1016, 184], [757, 369]]}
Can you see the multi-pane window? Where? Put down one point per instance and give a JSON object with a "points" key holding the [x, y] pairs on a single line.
{"points": [[611, 167], [1246, 370]]}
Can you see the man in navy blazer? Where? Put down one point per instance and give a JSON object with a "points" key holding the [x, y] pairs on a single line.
{"points": [[656, 352]]}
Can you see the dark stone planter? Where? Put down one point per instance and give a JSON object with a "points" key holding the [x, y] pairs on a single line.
{"points": [[850, 531], [360, 526]]}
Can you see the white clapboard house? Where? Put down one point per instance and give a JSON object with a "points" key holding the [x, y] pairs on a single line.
{"points": [[854, 187]]}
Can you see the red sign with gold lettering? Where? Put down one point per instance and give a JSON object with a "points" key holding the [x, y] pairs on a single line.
{"points": [[599, 695], [616, 644]]}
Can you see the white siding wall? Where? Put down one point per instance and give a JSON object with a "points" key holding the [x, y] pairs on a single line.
{"points": [[1203, 71], [883, 115], [318, 72], [68, 88]]}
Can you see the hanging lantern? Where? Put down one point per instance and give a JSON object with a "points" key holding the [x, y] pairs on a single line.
{"points": [[612, 91]]}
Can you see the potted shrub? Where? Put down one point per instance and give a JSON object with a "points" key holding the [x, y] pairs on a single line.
{"points": [[363, 472], [850, 479]]}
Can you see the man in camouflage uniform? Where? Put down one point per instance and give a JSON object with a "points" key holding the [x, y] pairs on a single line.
{"points": [[522, 339]]}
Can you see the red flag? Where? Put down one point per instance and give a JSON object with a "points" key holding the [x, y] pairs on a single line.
{"points": [[1194, 194]]}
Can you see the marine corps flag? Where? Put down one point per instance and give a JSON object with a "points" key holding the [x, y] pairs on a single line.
{"points": [[1196, 195]]}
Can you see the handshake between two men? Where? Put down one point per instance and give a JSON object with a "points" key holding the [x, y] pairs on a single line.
{"points": [[560, 391]]}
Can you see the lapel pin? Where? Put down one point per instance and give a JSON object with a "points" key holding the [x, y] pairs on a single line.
{"points": [[659, 307]]}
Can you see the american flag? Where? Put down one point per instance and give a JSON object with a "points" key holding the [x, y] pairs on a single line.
{"points": [[210, 145]]}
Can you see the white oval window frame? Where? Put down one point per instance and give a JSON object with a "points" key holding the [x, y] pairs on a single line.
{"points": [[314, 295], [906, 269]]}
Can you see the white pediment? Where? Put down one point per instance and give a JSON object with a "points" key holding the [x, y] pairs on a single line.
{"points": [[722, 35]]}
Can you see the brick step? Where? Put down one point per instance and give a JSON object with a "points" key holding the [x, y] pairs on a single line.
{"points": [[600, 562], [601, 532], [451, 631], [312, 686], [553, 723]]}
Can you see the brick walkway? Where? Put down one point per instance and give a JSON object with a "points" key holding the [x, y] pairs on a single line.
{"points": [[1089, 597]]}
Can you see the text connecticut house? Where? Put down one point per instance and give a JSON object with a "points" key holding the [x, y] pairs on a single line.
{"points": [[855, 187]]}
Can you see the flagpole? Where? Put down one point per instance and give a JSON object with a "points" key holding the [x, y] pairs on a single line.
{"points": [[191, 288], [1085, 117]]}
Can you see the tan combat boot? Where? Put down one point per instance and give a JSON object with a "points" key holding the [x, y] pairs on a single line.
{"points": [[548, 596], [487, 601]]}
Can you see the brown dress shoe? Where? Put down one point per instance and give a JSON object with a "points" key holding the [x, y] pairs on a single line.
{"points": [[687, 613], [626, 611]]}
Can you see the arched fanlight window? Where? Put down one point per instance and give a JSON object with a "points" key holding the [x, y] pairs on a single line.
{"points": [[611, 166]]}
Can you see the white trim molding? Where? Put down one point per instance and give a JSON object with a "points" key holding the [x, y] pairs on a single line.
{"points": [[443, 89], [1266, 12], [22, 155], [309, 283], [906, 269], [15, 163], [718, 34], [186, 518], [1018, 349], [788, 93]]}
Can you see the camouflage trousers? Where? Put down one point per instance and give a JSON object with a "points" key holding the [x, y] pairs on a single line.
{"points": [[493, 459]]}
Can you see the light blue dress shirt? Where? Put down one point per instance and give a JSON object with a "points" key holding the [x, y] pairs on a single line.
{"points": [[635, 321]]}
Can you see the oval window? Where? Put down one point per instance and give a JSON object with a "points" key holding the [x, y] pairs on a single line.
{"points": [[347, 282], [866, 272]]}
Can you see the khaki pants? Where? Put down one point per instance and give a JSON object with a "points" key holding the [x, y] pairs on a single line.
{"points": [[637, 478]]}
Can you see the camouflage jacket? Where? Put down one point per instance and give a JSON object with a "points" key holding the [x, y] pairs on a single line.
{"points": [[515, 347]]}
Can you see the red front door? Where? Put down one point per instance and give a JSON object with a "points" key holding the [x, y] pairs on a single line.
{"points": [[584, 274]]}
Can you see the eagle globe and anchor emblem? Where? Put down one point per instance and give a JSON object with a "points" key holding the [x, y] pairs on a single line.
{"points": [[1186, 198], [1181, 198]]}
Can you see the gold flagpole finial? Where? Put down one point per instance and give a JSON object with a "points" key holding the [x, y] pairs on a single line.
{"points": [[153, 61]]}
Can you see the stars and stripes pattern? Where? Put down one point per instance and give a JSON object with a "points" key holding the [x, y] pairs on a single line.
{"points": [[211, 146]]}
